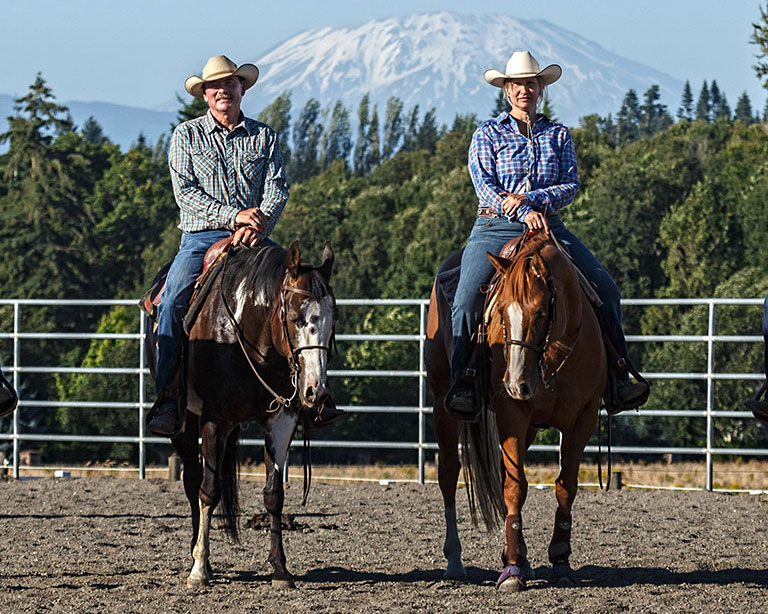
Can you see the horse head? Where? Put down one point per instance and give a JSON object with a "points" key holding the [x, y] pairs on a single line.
{"points": [[307, 314], [522, 319]]}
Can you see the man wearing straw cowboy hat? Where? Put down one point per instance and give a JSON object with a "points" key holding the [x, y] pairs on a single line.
{"points": [[228, 179]]}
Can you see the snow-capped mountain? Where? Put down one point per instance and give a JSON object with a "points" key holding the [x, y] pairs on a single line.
{"points": [[438, 59]]}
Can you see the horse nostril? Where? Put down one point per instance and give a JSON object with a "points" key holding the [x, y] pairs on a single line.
{"points": [[310, 394], [524, 390]]}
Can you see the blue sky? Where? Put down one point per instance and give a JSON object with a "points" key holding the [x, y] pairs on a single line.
{"points": [[139, 52]]}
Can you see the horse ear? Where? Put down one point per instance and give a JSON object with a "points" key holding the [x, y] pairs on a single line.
{"points": [[294, 259], [538, 267], [328, 258], [499, 263]]}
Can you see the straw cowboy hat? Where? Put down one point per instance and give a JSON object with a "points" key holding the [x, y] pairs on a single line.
{"points": [[221, 67], [522, 64]]}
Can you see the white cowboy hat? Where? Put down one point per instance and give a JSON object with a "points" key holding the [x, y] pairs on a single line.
{"points": [[220, 67], [522, 64]]}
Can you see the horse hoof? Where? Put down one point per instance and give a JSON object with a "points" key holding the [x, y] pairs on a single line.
{"points": [[511, 580], [511, 585], [194, 583], [283, 583], [562, 575], [453, 572]]}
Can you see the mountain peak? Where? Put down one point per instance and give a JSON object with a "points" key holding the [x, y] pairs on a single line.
{"points": [[438, 59]]}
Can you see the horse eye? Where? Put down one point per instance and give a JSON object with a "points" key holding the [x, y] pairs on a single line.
{"points": [[293, 316]]}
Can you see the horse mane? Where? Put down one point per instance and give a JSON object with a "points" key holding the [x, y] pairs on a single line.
{"points": [[263, 271], [520, 274]]}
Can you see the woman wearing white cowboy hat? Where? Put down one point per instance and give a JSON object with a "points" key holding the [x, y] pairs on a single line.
{"points": [[523, 167]]}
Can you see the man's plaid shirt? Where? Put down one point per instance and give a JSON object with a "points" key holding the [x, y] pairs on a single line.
{"points": [[216, 173], [501, 158]]}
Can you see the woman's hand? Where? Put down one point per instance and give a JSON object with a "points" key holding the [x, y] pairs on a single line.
{"points": [[512, 203], [537, 221]]}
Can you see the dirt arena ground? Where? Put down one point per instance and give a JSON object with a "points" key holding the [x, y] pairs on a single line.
{"points": [[112, 545]]}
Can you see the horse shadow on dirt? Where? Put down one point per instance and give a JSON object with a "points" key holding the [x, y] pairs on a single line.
{"points": [[589, 576]]}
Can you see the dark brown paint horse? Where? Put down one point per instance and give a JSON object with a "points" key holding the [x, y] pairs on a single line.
{"points": [[548, 369], [258, 351]]}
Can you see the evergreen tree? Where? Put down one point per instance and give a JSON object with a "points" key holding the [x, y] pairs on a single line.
{"points": [[686, 103], [704, 104], [411, 133], [653, 115], [719, 102], [393, 127], [374, 146], [277, 115], [197, 107], [337, 138], [38, 119], [427, 134], [92, 132], [307, 133], [628, 119], [760, 39], [362, 153], [743, 111], [546, 107], [501, 106]]}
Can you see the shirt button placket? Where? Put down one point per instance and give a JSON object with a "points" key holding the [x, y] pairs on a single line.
{"points": [[229, 153]]}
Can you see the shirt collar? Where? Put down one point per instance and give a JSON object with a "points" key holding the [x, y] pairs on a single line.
{"points": [[539, 125], [211, 124]]}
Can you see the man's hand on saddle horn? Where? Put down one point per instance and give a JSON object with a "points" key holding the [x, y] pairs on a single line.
{"points": [[250, 224]]}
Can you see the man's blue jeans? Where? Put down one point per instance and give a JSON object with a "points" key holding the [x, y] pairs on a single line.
{"points": [[490, 235], [179, 285]]}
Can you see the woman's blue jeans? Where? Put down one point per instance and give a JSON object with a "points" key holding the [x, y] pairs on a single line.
{"points": [[489, 234], [179, 285]]}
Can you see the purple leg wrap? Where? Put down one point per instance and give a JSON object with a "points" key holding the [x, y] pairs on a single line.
{"points": [[511, 571]]}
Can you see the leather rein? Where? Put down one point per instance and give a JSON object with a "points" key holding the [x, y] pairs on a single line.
{"points": [[278, 401]]}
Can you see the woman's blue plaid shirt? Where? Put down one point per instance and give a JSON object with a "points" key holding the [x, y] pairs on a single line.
{"points": [[501, 158]]}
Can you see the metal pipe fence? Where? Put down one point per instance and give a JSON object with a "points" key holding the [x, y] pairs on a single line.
{"points": [[418, 443]]}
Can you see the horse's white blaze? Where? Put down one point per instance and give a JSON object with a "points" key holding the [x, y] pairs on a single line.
{"points": [[515, 352], [317, 329]]}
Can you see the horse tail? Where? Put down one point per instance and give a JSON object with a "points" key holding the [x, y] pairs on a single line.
{"points": [[482, 466], [230, 501]]}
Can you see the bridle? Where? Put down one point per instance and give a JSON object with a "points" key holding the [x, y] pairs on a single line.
{"points": [[542, 348], [278, 401]]}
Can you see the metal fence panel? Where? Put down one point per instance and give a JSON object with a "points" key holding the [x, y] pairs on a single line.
{"points": [[419, 442]]}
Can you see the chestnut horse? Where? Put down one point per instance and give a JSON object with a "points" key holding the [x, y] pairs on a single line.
{"points": [[548, 370], [258, 351]]}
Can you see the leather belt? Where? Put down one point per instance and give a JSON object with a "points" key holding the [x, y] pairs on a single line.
{"points": [[488, 212]]}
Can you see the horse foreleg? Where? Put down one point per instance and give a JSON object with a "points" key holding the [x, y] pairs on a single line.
{"points": [[277, 440], [208, 495], [448, 467], [566, 487], [513, 429], [187, 448]]}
